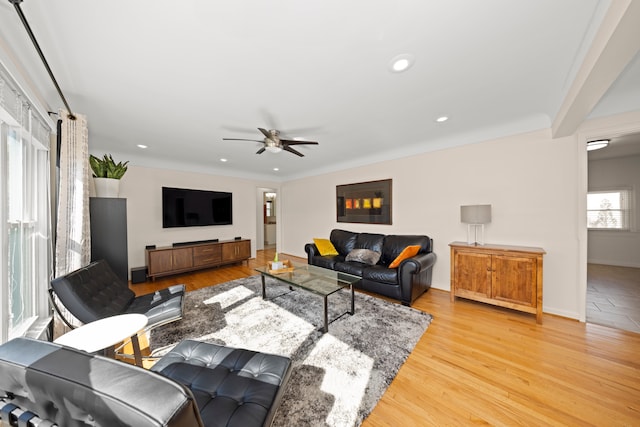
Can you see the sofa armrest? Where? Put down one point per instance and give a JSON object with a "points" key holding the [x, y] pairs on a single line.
{"points": [[312, 250], [414, 276], [417, 263]]}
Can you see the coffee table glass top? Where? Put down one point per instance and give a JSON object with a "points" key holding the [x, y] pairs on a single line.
{"points": [[318, 280]]}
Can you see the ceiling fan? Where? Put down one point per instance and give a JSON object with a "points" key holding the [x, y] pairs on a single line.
{"points": [[273, 143]]}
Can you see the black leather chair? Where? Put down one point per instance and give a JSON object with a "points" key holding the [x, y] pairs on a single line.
{"points": [[197, 384], [95, 292]]}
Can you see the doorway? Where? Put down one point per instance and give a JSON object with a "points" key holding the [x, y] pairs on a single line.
{"points": [[613, 259], [270, 219], [267, 218]]}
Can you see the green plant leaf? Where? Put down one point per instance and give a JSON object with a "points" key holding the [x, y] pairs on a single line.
{"points": [[107, 167]]}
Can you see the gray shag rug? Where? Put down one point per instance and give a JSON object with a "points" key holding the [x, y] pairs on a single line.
{"points": [[337, 377]]}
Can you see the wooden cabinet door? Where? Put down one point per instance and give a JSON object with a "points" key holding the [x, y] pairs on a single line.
{"points": [[472, 274], [182, 258], [160, 261], [228, 251], [232, 251], [514, 279], [244, 249]]}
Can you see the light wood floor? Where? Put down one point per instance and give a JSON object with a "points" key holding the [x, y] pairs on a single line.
{"points": [[483, 365]]}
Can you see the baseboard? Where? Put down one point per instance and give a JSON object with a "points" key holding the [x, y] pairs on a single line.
{"points": [[613, 263], [561, 313]]}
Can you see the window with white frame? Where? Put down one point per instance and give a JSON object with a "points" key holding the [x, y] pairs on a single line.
{"points": [[609, 209], [25, 242]]}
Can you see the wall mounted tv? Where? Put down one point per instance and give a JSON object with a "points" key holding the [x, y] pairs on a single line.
{"points": [[193, 208]]}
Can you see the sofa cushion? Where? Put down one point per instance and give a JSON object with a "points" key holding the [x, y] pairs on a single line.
{"points": [[394, 244], [407, 252], [365, 256], [369, 241], [325, 247], [379, 273], [343, 241], [351, 267]]}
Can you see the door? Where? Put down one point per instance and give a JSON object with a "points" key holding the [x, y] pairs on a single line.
{"points": [[473, 274], [514, 279]]}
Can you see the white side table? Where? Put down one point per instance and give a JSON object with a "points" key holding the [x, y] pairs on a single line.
{"points": [[105, 333]]}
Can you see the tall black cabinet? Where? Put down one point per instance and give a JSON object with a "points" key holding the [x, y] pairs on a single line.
{"points": [[109, 233]]}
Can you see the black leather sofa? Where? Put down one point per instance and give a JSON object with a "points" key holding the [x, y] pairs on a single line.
{"points": [[95, 292], [405, 283], [196, 384]]}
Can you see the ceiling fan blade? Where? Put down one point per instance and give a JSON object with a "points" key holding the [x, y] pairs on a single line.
{"points": [[241, 139], [260, 151], [294, 142], [291, 150], [265, 133]]}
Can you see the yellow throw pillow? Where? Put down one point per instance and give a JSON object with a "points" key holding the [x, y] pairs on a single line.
{"points": [[325, 247], [407, 252]]}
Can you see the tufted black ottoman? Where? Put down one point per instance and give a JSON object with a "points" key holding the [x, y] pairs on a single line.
{"points": [[232, 387]]}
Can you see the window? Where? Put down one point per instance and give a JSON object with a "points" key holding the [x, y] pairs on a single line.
{"points": [[608, 210], [25, 214]]}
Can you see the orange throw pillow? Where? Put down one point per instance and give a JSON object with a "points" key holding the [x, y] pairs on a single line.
{"points": [[325, 247], [407, 252]]}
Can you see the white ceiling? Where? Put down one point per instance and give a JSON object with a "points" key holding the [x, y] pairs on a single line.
{"points": [[178, 76]]}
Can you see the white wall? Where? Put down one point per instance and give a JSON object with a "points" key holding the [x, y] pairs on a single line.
{"points": [[537, 187], [530, 180], [620, 248], [142, 187]]}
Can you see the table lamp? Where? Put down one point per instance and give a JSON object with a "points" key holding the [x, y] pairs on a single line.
{"points": [[475, 216]]}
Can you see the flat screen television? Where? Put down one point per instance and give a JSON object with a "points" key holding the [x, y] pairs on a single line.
{"points": [[193, 208]]}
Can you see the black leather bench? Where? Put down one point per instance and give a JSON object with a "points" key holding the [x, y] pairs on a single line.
{"points": [[196, 384]]}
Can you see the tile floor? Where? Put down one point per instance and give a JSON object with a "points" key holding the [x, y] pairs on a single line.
{"points": [[613, 296]]}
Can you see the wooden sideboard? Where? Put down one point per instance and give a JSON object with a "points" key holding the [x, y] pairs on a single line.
{"points": [[506, 276], [169, 260]]}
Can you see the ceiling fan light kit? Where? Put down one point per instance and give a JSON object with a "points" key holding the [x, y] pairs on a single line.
{"points": [[274, 144]]}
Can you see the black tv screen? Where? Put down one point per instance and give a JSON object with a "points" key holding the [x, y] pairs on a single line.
{"points": [[192, 208]]}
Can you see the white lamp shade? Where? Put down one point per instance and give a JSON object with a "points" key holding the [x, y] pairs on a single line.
{"points": [[475, 214]]}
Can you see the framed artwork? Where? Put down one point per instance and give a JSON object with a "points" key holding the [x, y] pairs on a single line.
{"points": [[364, 202]]}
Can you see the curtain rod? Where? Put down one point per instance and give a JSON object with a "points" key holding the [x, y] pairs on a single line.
{"points": [[16, 4]]}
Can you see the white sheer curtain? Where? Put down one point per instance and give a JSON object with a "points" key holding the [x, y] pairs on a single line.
{"points": [[73, 239]]}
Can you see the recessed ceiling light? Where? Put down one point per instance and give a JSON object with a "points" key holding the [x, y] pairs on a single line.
{"points": [[598, 144], [142, 146], [402, 63], [276, 169], [442, 119], [223, 160]]}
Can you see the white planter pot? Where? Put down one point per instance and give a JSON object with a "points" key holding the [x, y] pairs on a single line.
{"points": [[107, 187]]}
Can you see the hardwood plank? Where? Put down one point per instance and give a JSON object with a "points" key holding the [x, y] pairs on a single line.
{"points": [[480, 364]]}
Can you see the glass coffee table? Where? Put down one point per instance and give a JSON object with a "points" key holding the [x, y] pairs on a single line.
{"points": [[317, 280]]}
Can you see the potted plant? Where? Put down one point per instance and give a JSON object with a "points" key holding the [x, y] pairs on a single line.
{"points": [[107, 174]]}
